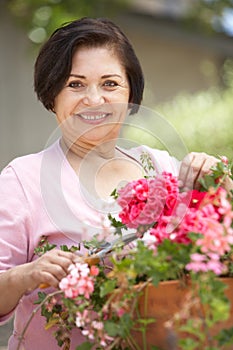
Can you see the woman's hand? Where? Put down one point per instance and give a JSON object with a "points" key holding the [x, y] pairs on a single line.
{"points": [[193, 167], [48, 269]]}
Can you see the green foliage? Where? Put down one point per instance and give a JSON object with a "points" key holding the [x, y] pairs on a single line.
{"points": [[213, 307], [94, 243], [146, 162], [207, 16], [216, 177], [43, 246], [188, 343], [121, 329], [169, 263], [204, 119], [116, 223], [72, 249], [41, 17], [41, 297], [85, 346], [225, 336], [107, 287]]}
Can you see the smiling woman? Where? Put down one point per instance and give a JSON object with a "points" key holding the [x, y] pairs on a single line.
{"points": [[94, 95], [56, 57], [88, 75]]}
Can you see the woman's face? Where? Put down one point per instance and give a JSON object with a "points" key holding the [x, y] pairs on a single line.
{"points": [[94, 100]]}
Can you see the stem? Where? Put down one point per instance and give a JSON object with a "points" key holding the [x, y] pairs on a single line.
{"points": [[130, 340], [146, 301], [144, 330], [33, 314], [223, 178], [113, 344], [144, 339], [206, 329]]}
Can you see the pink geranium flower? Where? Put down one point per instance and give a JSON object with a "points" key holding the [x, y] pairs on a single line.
{"points": [[143, 201], [79, 281]]}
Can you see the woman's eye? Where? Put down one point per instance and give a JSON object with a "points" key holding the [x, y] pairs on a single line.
{"points": [[75, 84], [110, 83]]}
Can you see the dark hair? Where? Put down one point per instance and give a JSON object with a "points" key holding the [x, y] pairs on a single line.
{"points": [[54, 62]]}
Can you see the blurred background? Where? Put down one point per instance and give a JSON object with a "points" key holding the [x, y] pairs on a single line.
{"points": [[185, 48]]}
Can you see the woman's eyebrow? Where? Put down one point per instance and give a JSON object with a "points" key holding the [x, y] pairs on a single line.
{"points": [[103, 76], [110, 76], [78, 76]]}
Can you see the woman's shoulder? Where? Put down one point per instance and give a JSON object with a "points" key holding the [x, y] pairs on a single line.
{"points": [[30, 164], [161, 159]]}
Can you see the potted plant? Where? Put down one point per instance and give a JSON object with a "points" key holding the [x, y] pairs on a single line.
{"points": [[171, 288]]}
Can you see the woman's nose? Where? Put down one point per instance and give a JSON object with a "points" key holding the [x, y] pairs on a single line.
{"points": [[93, 96]]}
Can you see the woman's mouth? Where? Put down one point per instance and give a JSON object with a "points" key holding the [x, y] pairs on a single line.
{"points": [[92, 117]]}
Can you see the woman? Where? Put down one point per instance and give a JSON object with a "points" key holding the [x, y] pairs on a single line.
{"points": [[88, 75]]}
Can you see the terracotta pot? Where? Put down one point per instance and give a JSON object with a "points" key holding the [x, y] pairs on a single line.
{"points": [[163, 302]]}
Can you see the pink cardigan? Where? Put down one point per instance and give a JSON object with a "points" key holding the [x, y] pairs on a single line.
{"points": [[40, 194]]}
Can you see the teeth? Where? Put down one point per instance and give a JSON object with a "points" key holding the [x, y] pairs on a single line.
{"points": [[93, 117]]}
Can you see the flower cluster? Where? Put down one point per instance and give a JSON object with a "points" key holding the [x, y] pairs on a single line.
{"points": [[92, 328], [79, 281], [175, 214], [208, 214], [143, 201]]}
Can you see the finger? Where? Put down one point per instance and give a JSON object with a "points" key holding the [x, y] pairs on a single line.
{"points": [[186, 172], [51, 276], [49, 281], [195, 170], [205, 169], [228, 184], [55, 265], [193, 167], [60, 258], [61, 253]]}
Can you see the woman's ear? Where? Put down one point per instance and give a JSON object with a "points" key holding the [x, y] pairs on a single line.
{"points": [[130, 105], [133, 108]]}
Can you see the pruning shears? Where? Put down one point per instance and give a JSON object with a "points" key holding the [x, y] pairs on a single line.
{"points": [[107, 247], [96, 254]]}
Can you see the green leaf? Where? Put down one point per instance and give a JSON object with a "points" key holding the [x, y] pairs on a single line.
{"points": [[188, 344], [85, 346], [43, 246], [107, 287], [207, 182], [112, 328], [41, 297], [146, 321], [93, 243], [225, 337], [126, 324], [147, 162], [114, 194], [72, 249], [117, 224], [121, 329]]}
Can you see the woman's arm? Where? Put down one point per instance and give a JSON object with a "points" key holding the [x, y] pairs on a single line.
{"points": [[15, 282]]}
